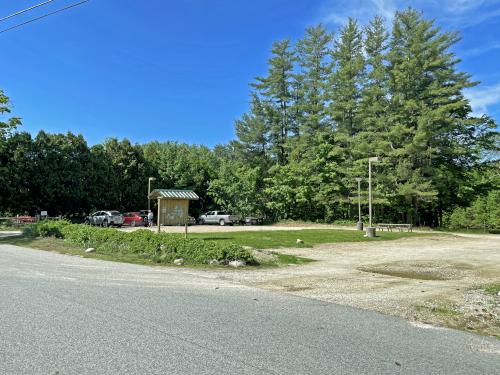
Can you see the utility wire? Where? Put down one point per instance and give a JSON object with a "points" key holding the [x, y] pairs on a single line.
{"points": [[45, 15], [24, 10]]}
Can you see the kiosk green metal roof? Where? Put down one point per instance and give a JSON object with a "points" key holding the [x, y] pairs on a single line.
{"points": [[174, 194]]}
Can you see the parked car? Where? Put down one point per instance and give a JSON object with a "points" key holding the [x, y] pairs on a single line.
{"points": [[251, 220], [218, 217], [105, 218], [134, 219]]}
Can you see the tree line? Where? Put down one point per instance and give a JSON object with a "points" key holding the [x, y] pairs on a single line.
{"points": [[327, 103]]}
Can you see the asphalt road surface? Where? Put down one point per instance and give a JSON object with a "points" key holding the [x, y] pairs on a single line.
{"points": [[63, 314]]}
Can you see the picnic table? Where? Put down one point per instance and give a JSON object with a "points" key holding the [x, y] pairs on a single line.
{"points": [[399, 227]]}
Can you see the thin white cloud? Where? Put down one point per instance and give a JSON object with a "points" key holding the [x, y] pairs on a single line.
{"points": [[454, 13], [477, 51], [483, 97]]}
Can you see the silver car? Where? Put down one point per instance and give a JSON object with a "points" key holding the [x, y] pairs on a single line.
{"points": [[105, 218], [218, 217]]}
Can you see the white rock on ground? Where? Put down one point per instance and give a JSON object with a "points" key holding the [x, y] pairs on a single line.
{"points": [[237, 263], [179, 262], [214, 262], [299, 240], [90, 250]]}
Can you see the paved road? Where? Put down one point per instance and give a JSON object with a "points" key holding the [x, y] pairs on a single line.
{"points": [[70, 315]]}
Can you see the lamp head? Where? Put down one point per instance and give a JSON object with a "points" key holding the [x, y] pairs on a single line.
{"points": [[358, 179], [374, 159]]}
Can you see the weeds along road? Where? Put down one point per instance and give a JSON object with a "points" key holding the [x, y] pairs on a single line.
{"points": [[69, 315]]}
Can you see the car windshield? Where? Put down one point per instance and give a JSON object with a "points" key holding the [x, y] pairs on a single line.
{"points": [[114, 213]]}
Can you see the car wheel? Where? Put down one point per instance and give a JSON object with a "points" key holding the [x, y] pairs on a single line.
{"points": [[222, 222], [202, 221], [133, 223], [105, 223], [118, 225]]}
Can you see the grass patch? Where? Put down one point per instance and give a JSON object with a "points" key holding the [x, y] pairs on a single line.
{"points": [[292, 259], [441, 309], [493, 288], [288, 238]]}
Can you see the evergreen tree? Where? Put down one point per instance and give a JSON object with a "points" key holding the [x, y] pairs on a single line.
{"points": [[347, 78], [433, 136], [275, 91], [252, 131], [313, 52]]}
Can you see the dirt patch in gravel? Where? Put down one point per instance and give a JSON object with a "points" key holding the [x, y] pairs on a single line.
{"points": [[421, 270], [433, 280]]}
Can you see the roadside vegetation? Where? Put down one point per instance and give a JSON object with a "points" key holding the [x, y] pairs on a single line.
{"points": [[142, 245]]}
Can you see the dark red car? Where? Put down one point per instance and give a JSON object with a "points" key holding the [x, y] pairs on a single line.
{"points": [[134, 219]]}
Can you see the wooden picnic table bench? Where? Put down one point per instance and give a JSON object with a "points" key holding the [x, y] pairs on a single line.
{"points": [[399, 227]]}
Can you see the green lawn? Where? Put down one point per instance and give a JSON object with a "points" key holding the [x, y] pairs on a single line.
{"points": [[311, 237]]}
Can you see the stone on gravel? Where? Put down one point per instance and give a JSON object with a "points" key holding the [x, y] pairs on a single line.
{"points": [[214, 262], [90, 250], [237, 263], [299, 240], [179, 262]]}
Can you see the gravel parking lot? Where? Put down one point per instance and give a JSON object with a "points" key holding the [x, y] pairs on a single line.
{"points": [[431, 279]]}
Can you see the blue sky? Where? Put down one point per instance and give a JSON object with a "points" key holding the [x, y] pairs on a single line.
{"points": [[179, 70]]}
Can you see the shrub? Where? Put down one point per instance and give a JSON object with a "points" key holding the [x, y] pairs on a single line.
{"points": [[46, 228], [161, 248]]}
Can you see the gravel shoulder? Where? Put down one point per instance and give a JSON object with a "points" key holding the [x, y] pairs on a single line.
{"points": [[433, 279]]}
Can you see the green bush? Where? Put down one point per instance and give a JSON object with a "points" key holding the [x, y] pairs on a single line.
{"points": [[161, 248], [483, 213], [46, 228]]}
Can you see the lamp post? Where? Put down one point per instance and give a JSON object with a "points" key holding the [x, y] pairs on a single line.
{"points": [[149, 192], [360, 223], [370, 231]]}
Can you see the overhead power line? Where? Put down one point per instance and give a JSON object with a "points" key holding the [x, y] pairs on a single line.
{"points": [[24, 10], [39, 18]]}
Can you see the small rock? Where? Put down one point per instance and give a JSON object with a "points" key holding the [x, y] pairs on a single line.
{"points": [[179, 262], [498, 294], [237, 263], [214, 262], [299, 240], [90, 250]]}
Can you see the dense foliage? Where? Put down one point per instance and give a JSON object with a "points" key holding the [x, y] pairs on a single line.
{"points": [[326, 104], [161, 248]]}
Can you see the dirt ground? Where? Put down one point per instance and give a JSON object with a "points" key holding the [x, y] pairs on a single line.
{"points": [[432, 280]]}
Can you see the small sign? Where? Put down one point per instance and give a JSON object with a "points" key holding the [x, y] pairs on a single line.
{"points": [[43, 213]]}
